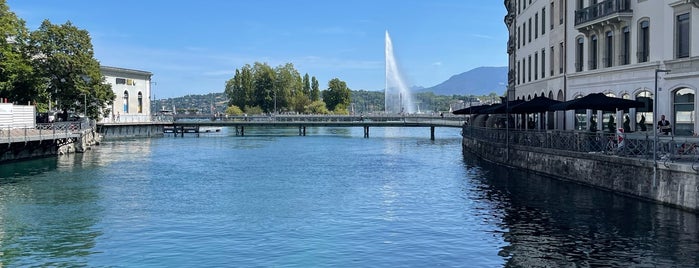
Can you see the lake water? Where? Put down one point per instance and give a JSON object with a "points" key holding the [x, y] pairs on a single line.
{"points": [[330, 199]]}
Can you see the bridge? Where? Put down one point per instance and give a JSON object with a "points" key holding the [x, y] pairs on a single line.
{"points": [[192, 123]]}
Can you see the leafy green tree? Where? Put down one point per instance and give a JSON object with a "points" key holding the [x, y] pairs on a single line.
{"points": [[337, 94], [288, 85], [317, 107], [253, 110], [65, 58], [264, 77], [315, 89], [18, 79], [307, 85], [233, 110]]}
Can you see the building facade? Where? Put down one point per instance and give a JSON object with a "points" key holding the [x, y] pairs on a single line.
{"points": [[133, 94], [568, 49]]}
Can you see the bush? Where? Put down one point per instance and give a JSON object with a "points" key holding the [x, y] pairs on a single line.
{"points": [[234, 110]]}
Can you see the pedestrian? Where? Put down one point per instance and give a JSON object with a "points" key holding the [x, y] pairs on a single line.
{"points": [[664, 126], [642, 123], [627, 124]]}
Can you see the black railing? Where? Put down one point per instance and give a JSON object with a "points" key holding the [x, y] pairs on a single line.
{"points": [[601, 9], [633, 145]]}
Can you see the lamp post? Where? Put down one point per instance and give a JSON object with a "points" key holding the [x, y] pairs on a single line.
{"points": [[655, 125]]}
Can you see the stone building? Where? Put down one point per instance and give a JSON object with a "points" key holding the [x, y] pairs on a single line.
{"points": [[566, 49], [133, 94]]}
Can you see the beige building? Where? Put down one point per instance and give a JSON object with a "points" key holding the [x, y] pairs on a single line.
{"points": [[568, 49], [133, 94]]}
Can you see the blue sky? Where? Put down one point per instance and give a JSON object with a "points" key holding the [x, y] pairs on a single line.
{"points": [[194, 47]]}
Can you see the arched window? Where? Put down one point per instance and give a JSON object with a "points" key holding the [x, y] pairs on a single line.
{"points": [[140, 102], [644, 115], [644, 41], [126, 101], [579, 54], [683, 104]]}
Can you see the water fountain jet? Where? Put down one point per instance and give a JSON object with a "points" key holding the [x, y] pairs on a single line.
{"points": [[398, 98]]}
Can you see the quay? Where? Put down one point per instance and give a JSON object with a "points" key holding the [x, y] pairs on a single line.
{"points": [[622, 164], [44, 140]]}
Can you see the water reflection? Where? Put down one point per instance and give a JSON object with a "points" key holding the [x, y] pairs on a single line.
{"points": [[549, 223], [43, 216]]}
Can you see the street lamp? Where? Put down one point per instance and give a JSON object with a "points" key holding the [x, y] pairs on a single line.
{"points": [[655, 125]]}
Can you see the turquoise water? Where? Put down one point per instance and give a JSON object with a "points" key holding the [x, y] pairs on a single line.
{"points": [[330, 199]]}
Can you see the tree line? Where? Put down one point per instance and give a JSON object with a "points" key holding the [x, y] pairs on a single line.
{"points": [[259, 88], [53, 65]]}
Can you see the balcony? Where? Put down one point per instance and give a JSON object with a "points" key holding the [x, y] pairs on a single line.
{"points": [[609, 11]]}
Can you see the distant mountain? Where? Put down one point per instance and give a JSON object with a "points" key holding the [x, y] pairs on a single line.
{"points": [[479, 81]]}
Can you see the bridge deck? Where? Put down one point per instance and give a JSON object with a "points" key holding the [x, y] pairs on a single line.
{"points": [[321, 121]]}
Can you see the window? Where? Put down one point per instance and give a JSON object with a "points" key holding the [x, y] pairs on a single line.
{"points": [[524, 38], [644, 41], [543, 21], [579, 54], [530, 30], [682, 35], [126, 101], [140, 102], [519, 38], [536, 66], [551, 62], [580, 4], [529, 69], [560, 58], [536, 25], [543, 62], [121, 81], [519, 73], [561, 12], [625, 46], [609, 50], [524, 70], [684, 112], [524, 4], [552, 16], [593, 52], [644, 115]]}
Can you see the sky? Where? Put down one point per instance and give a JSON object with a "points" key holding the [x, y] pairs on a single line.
{"points": [[194, 47]]}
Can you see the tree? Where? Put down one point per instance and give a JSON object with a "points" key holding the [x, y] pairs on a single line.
{"points": [[65, 58], [264, 77], [315, 89], [233, 110], [18, 80], [287, 86], [316, 107], [336, 94], [307, 85]]}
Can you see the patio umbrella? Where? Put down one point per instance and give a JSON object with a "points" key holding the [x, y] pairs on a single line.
{"points": [[597, 101], [501, 108], [472, 110], [536, 105]]}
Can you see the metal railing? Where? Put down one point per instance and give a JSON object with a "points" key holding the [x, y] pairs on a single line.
{"points": [[601, 9], [45, 131], [635, 145]]}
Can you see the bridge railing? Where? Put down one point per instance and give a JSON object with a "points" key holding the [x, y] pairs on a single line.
{"points": [[418, 119], [639, 145], [44, 131]]}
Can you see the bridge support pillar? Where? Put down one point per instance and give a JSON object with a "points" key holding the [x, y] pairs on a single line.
{"points": [[237, 131], [432, 133], [366, 131], [242, 131], [302, 131]]}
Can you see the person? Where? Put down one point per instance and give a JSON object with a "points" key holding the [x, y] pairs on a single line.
{"points": [[642, 123], [610, 124], [664, 126], [627, 124], [593, 124]]}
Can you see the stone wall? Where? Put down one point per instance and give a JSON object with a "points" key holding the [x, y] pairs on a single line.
{"points": [[674, 184], [136, 130]]}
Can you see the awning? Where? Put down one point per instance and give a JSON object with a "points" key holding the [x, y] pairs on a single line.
{"points": [[536, 105], [597, 101]]}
